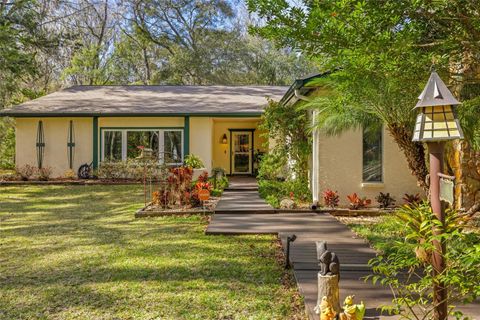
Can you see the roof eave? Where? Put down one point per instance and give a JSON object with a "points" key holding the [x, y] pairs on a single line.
{"points": [[299, 84], [79, 114]]}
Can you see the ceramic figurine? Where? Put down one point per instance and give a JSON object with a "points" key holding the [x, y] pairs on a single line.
{"points": [[326, 310], [352, 311]]}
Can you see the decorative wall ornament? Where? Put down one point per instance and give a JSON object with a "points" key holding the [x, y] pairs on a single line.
{"points": [[40, 144], [71, 144]]}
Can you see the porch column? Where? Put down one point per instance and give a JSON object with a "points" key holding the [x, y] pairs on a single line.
{"points": [[186, 136]]}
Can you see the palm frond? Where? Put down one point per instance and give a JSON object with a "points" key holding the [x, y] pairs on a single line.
{"points": [[335, 115]]}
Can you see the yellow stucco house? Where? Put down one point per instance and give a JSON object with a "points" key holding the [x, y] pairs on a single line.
{"points": [[91, 124], [359, 161]]}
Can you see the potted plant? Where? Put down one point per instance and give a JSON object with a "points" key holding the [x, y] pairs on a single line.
{"points": [[194, 162]]}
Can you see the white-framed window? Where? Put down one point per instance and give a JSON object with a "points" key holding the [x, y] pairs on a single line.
{"points": [[122, 144]]}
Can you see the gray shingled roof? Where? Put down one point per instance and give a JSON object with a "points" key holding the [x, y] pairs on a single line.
{"points": [[150, 100]]}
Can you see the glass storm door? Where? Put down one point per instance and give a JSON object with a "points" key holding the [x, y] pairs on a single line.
{"points": [[241, 152]]}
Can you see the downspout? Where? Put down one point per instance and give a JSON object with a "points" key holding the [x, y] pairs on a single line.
{"points": [[315, 154]]}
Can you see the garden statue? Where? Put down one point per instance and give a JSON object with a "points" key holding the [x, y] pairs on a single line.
{"points": [[352, 311], [326, 310], [329, 263], [328, 278]]}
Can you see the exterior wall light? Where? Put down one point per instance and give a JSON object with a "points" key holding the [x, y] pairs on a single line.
{"points": [[224, 139]]}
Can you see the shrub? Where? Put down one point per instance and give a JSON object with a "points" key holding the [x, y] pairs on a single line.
{"points": [[201, 184], [132, 170], [25, 172], [193, 162], [385, 200], [110, 170], [7, 143], [269, 189], [356, 202], [179, 185], [273, 201], [69, 174], [216, 192], [273, 167], [330, 198], [203, 177], [161, 198], [409, 258], [44, 173], [412, 199], [219, 179], [222, 183], [8, 176]]}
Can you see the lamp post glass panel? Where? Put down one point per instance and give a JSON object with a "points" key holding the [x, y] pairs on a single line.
{"points": [[437, 123]]}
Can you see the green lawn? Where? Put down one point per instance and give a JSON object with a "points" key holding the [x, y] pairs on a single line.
{"points": [[380, 231], [77, 252]]}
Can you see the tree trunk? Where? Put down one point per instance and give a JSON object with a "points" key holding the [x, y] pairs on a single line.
{"points": [[328, 287], [413, 151], [470, 181], [464, 160]]}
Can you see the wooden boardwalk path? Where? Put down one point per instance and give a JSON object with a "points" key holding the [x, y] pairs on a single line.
{"points": [[241, 196], [354, 254]]}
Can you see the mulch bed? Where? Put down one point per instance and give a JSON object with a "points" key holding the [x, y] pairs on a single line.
{"points": [[152, 210], [372, 212]]}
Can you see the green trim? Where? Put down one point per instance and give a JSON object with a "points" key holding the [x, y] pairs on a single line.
{"points": [[252, 131], [95, 142], [302, 83], [230, 150], [186, 136], [137, 115], [141, 128]]}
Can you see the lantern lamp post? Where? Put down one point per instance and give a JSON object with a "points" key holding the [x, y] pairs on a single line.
{"points": [[437, 123]]}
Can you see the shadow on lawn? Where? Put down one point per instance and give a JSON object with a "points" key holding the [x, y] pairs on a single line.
{"points": [[80, 247]]}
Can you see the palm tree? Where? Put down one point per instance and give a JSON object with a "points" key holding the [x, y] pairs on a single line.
{"points": [[370, 101]]}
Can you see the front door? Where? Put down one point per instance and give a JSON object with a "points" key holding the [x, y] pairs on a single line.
{"points": [[242, 152]]}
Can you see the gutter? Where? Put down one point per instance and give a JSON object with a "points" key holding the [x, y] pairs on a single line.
{"points": [[300, 96], [315, 153], [299, 84]]}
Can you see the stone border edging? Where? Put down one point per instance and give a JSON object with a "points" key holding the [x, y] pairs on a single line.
{"points": [[141, 213]]}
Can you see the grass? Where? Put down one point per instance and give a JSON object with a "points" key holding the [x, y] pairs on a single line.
{"points": [[76, 252], [380, 231]]}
